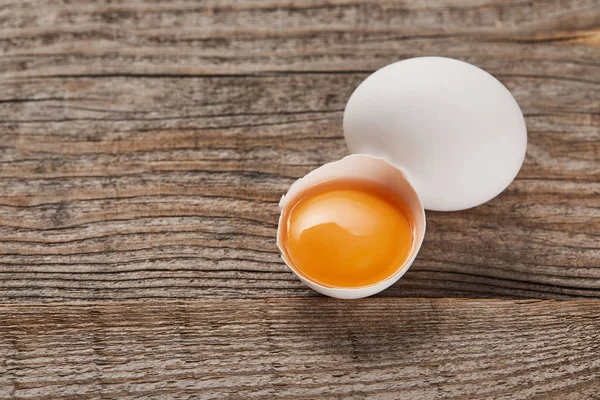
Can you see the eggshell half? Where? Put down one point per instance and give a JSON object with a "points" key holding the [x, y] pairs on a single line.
{"points": [[363, 167], [452, 128]]}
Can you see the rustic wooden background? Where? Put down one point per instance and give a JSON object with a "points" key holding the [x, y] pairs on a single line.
{"points": [[144, 146]]}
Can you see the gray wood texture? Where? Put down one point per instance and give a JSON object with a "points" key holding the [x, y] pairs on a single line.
{"points": [[303, 349], [144, 146]]}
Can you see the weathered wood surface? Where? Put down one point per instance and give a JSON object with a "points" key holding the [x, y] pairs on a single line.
{"points": [[264, 349], [144, 146]]}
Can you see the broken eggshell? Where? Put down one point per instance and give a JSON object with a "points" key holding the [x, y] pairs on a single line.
{"points": [[443, 134], [366, 168]]}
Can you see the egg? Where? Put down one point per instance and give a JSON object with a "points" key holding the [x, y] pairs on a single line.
{"points": [[352, 169], [452, 128], [428, 133]]}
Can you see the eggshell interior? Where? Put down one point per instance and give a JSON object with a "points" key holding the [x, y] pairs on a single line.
{"points": [[365, 167]]}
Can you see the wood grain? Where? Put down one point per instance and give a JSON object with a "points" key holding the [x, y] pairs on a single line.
{"points": [[377, 349], [144, 145], [231, 37]]}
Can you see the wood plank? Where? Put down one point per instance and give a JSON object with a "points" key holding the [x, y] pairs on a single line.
{"points": [[163, 203], [302, 348], [144, 146], [231, 37]]}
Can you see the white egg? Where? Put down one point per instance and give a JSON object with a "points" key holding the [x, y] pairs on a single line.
{"points": [[452, 128], [442, 134]]}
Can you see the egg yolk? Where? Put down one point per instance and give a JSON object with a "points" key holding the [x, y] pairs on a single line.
{"points": [[350, 236]]}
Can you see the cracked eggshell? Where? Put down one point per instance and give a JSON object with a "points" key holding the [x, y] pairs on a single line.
{"points": [[431, 128], [452, 128], [364, 167]]}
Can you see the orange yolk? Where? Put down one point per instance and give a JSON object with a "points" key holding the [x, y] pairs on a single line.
{"points": [[351, 236]]}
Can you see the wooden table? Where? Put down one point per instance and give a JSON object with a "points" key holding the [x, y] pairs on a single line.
{"points": [[144, 147]]}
